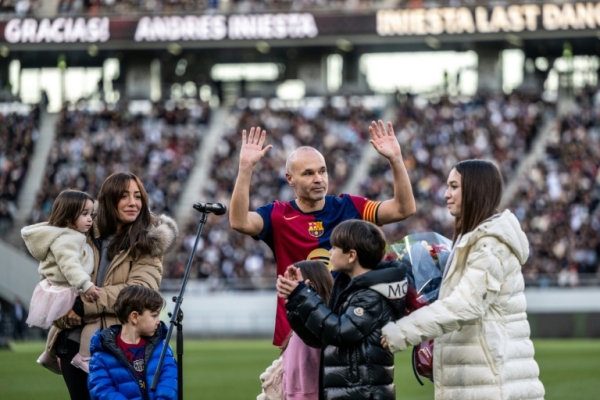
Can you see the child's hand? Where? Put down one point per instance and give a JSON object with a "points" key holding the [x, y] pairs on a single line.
{"points": [[293, 274], [93, 293], [285, 286]]}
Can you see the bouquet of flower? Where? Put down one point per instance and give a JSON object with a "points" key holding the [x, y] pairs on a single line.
{"points": [[427, 254]]}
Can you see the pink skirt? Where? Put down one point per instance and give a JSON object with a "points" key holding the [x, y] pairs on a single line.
{"points": [[49, 303]]}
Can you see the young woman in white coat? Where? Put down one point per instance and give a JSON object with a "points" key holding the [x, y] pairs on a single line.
{"points": [[482, 348]]}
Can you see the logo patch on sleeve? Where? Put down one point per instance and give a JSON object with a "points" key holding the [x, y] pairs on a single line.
{"points": [[392, 290], [359, 312]]}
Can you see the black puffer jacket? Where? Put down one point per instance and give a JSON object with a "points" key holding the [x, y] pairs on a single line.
{"points": [[354, 364]]}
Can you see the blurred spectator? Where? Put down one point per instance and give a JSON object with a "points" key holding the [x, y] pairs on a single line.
{"points": [[19, 316], [21, 8]]}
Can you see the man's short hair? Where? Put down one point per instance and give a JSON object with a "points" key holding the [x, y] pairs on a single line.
{"points": [[363, 237], [294, 155], [137, 298]]}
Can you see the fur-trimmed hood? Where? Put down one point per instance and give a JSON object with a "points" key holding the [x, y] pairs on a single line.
{"points": [[162, 234]]}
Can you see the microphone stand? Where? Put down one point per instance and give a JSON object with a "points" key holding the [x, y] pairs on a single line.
{"points": [[177, 318]]}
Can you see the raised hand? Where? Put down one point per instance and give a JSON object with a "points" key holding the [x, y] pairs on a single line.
{"points": [[252, 147], [384, 141], [293, 273]]}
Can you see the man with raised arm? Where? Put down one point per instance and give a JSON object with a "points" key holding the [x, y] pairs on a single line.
{"points": [[299, 229]]}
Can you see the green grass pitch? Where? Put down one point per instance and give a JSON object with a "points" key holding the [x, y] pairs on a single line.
{"points": [[229, 370]]}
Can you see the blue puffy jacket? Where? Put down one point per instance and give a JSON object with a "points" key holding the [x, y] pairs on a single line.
{"points": [[112, 376]]}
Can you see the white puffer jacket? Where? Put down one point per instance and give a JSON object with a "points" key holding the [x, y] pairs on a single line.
{"points": [[482, 350], [66, 259]]}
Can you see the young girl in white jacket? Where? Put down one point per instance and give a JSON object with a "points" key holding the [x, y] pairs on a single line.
{"points": [[66, 262], [482, 348]]}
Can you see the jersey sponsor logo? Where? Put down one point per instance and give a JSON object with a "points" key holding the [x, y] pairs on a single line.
{"points": [[319, 255], [290, 218], [315, 229]]}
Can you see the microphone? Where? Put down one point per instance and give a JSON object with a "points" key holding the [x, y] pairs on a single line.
{"points": [[215, 208]]}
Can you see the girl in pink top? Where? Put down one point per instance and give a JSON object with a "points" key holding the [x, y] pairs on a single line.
{"points": [[302, 363], [295, 375]]}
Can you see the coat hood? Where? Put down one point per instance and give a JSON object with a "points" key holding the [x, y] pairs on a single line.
{"points": [[108, 337], [506, 228], [162, 234], [39, 237]]}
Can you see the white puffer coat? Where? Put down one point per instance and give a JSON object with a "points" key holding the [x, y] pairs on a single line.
{"points": [[66, 259], [482, 350]]}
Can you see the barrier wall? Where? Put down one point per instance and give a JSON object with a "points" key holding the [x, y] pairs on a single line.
{"points": [[18, 274], [552, 312]]}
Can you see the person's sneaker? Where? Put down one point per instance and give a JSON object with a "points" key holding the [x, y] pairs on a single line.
{"points": [[81, 362], [52, 363]]}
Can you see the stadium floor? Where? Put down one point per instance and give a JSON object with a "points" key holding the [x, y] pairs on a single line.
{"points": [[229, 370]]}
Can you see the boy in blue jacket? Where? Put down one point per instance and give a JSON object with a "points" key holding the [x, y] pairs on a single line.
{"points": [[125, 357]]}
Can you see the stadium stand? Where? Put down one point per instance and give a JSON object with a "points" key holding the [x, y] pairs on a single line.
{"points": [[20, 8], [18, 134], [436, 135], [239, 6], [557, 201]]}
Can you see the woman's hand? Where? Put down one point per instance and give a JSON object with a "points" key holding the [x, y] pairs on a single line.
{"points": [[384, 342]]}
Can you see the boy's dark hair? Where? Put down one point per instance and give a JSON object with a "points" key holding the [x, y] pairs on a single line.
{"points": [[67, 207], [137, 298], [363, 237]]}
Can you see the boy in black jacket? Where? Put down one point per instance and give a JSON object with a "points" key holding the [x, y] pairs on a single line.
{"points": [[367, 294]]}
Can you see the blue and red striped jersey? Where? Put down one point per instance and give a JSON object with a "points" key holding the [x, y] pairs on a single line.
{"points": [[296, 236]]}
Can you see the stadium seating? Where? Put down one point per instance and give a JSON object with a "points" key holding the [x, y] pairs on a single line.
{"points": [[435, 136], [18, 133], [557, 202]]}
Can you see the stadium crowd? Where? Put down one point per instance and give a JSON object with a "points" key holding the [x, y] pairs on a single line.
{"points": [[18, 134], [21, 8], [90, 145], [103, 7], [238, 6], [435, 136], [558, 202]]}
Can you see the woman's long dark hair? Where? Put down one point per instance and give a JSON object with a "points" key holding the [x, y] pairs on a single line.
{"points": [[481, 187], [320, 280], [133, 235]]}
